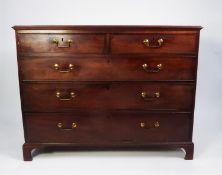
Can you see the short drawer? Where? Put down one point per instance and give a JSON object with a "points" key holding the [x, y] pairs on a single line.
{"points": [[60, 43], [154, 43], [138, 95], [109, 69], [107, 128]]}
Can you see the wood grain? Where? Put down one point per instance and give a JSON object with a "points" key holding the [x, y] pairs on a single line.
{"points": [[104, 128], [103, 68], [100, 96], [107, 78]]}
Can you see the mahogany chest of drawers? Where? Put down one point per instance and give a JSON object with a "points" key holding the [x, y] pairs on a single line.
{"points": [[107, 87]]}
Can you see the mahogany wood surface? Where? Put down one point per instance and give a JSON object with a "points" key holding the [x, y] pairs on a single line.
{"points": [[107, 108], [104, 128], [172, 43], [40, 43], [42, 96], [113, 68]]}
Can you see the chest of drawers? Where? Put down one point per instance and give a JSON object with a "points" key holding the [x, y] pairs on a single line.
{"points": [[107, 87]]}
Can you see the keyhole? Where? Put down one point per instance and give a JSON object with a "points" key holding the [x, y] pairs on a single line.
{"points": [[62, 39]]}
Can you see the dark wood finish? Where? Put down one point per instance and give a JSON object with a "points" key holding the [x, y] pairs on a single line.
{"points": [[122, 68], [32, 149], [42, 97], [105, 128], [43, 43], [107, 78], [106, 28], [172, 43]]}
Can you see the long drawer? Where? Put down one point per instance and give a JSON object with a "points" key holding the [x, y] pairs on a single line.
{"points": [[85, 96], [61, 43], [134, 68], [162, 42], [103, 128]]}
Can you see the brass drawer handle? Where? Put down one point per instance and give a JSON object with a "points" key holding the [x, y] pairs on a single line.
{"points": [[154, 125], [66, 45], [61, 126], [154, 70], [58, 68], [72, 96], [146, 42], [147, 96]]}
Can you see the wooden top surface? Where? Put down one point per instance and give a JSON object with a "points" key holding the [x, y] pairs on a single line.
{"points": [[103, 27]]}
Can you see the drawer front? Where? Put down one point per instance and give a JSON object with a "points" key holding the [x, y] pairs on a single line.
{"points": [[154, 43], [61, 43], [69, 96], [108, 69], [116, 128]]}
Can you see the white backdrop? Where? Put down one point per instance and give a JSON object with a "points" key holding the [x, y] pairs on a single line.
{"points": [[208, 115]]}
